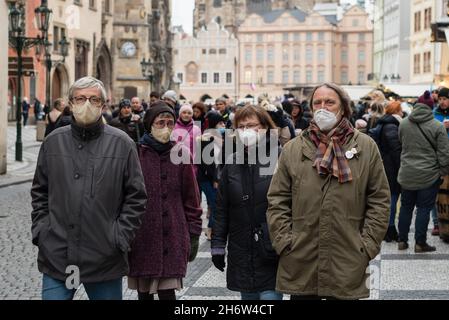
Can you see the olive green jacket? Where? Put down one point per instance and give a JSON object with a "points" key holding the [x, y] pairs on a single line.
{"points": [[423, 160], [326, 232]]}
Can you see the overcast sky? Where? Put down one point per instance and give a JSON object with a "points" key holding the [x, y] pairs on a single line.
{"points": [[183, 13]]}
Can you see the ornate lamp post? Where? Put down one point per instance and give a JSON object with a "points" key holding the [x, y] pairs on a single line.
{"points": [[19, 42], [147, 71], [49, 63]]}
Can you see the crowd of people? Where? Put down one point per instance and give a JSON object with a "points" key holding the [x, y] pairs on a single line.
{"points": [[113, 202]]}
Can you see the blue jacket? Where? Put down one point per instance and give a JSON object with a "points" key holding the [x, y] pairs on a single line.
{"points": [[441, 115]]}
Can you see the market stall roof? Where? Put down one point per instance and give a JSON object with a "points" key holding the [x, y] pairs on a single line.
{"points": [[409, 90], [358, 92]]}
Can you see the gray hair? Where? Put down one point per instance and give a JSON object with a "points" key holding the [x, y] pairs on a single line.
{"points": [[342, 94], [88, 82]]}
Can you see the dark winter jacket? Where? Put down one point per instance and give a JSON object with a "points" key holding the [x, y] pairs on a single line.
{"points": [[65, 119], [241, 210], [88, 196], [390, 150], [207, 170], [133, 129], [162, 245]]}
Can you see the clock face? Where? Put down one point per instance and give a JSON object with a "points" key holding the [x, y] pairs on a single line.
{"points": [[128, 49]]}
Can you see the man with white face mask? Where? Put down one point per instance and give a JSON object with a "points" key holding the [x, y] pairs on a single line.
{"points": [[329, 204], [89, 227]]}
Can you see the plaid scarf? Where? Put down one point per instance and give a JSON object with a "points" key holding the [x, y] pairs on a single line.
{"points": [[330, 157]]}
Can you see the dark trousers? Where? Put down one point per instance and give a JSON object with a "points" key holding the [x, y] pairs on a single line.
{"points": [[25, 118], [424, 200], [211, 195]]}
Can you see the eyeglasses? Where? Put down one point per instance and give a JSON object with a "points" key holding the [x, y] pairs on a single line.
{"points": [[162, 123], [94, 100], [326, 102], [249, 126]]}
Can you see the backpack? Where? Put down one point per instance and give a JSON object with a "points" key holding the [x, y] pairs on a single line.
{"points": [[376, 134]]}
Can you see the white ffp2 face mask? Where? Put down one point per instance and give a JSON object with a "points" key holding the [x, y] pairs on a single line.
{"points": [[86, 114], [325, 119], [248, 137]]}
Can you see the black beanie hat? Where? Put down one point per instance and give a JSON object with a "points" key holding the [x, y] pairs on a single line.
{"points": [[124, 102], [444, 92], [156, 109], [213, 118]]}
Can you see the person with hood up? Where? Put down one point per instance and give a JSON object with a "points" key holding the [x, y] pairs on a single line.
{"points": [[169, 236], [424, 161]]}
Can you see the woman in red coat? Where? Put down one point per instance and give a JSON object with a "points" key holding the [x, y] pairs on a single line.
{"points": [[168, 238]]}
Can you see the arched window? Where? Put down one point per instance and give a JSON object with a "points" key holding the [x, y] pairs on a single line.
{"points": [[191, 73]]}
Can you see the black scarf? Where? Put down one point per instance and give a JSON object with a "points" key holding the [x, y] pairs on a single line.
{"points": [[150, 141]]}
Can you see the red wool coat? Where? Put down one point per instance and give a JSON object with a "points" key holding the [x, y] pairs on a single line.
{"points": [[162, 245]]}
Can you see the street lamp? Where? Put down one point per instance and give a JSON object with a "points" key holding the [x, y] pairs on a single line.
{"points": [[19, 42], [49, 63], [147, 70]]}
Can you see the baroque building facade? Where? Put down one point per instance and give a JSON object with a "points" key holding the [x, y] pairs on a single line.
{"points": [[142, 31], [231, 13]]}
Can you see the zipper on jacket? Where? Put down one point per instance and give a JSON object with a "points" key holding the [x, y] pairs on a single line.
{"points": [[92, 194], [253, 218]]}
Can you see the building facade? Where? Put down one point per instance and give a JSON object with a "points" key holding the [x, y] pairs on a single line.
{"points": [[87, 27], [422, 51], [441, 66], [392, 41], [33, 77], [206, 65], [141, 31], [4, 104], [231, 13], [288, 48]]}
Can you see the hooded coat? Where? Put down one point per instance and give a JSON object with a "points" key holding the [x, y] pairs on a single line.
{"points": [[423, 160]]}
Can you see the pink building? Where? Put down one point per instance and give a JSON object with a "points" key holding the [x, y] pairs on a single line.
{"points": [[290, 48]]}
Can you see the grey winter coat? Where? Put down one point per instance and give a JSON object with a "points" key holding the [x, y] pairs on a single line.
{"points": [[88, 196], [421, 165]]}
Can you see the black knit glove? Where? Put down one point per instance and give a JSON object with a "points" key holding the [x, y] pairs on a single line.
{"points": [[194, 244], [219, 261]]}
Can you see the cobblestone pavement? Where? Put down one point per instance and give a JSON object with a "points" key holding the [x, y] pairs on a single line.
{"points": [[21, 171], [399, 275]]}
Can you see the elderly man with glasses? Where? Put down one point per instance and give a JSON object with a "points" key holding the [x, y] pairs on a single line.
{"points": [[88, 196]]}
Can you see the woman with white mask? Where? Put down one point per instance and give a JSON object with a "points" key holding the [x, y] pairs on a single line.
{"points": [[240, 215], [329, 204]]}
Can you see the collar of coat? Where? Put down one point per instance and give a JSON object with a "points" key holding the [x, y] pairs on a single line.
{"points": [[309, 148], [87, 133]]}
